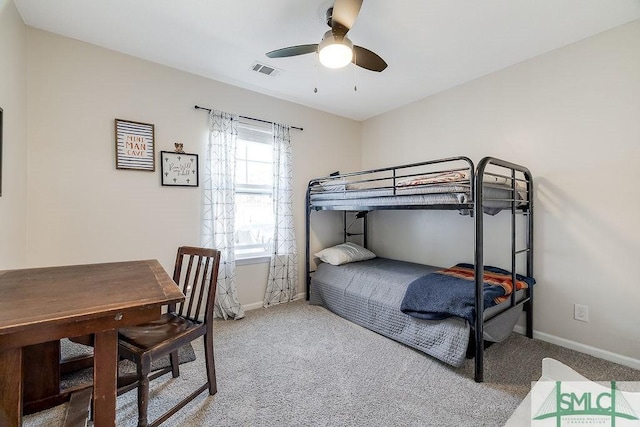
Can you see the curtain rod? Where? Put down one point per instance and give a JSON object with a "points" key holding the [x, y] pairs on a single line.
{"points": [[249, 118]]}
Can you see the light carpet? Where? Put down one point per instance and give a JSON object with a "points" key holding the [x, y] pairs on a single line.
{"points": [[301, 365]]}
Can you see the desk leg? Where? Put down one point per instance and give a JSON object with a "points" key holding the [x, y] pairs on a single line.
{"points": [[105, 370], [41, 379], [11, 387]]}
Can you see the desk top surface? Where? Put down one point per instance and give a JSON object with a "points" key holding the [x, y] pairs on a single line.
{"points": [[50, 295]]}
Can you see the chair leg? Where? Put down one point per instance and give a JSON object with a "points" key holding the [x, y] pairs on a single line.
{"points": [[209, 360], [175, 364], [144, 366]]}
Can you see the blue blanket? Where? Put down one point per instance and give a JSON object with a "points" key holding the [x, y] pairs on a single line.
{"points": [[451, 292]]}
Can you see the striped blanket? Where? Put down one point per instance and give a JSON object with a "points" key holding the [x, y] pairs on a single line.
{"points": [[451, 292]]}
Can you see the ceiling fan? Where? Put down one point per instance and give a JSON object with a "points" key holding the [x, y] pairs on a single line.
{"points": [[336, 50]]}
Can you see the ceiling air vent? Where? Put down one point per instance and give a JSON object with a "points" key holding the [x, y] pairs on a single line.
{"points": [[265, 69]]}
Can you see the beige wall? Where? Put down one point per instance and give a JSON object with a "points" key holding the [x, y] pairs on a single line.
{"points": [[13, 100], [82, 210], [573, 117]]}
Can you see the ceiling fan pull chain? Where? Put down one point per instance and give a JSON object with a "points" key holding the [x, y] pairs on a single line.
{"points": [[355, 61], [315, 74]]}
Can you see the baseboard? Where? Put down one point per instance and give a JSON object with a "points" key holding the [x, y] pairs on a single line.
{"points": [[257, 305], [583, 348], [253, 306]]}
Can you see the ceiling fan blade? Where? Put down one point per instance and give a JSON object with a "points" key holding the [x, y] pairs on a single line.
{"points": [[366, 59], [344, 15], [293, 51]]}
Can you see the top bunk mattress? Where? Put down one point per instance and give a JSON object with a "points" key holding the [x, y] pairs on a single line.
{"points": [[440, 184]]}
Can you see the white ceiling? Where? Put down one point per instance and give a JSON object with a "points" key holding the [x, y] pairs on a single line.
{"points": [[430, 45]]}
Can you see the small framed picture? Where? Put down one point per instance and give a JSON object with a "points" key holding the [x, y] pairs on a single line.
{"points": [[135, 146], [179, 169]]}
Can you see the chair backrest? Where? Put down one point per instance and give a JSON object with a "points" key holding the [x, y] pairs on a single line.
{"points": [[196, 274]]}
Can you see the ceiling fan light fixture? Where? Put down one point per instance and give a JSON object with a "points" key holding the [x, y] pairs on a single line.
{"points": [[335, 52]]}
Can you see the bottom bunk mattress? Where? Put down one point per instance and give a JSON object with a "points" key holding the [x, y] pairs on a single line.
{"points": [[370, 293]]}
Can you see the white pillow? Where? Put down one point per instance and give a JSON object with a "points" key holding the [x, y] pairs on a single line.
{"points": [[342, 185], [334, 185], [344, 253]]}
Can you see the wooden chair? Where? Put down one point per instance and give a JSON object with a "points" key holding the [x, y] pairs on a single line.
{"points": [[196, 273]]}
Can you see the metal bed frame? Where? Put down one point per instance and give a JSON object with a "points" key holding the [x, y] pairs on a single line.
{"points": [[512, 172]]}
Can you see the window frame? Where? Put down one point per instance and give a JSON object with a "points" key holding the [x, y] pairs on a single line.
{"points": [[253, 133]]}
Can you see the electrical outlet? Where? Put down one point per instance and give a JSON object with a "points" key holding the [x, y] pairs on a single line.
{"points": [[581, 312]]}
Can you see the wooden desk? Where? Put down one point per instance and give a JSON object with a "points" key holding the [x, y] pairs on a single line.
{"points": [[42, 305]]}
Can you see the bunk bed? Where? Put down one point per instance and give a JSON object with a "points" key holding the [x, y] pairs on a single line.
{"points": [[374, 292]]}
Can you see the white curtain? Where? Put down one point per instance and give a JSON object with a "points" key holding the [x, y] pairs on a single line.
{"points": [[283, 270], [218, 216]]}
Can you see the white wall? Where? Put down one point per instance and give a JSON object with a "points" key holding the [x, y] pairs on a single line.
{"points": [[82, 210], [573, 117], [13, 100]]}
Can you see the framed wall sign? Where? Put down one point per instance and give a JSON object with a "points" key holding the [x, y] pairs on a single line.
{"points": [[135, 146], [179, 169]]}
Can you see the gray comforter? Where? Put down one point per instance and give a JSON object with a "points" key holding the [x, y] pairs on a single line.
{"points": [[369, 293]]}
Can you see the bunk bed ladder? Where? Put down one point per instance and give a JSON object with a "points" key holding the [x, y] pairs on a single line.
{"points": [[526, 210]]}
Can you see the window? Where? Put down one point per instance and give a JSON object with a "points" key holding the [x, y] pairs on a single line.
{"points": [[254, 185]]}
